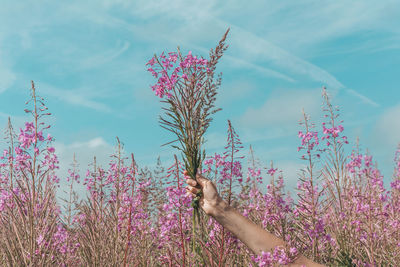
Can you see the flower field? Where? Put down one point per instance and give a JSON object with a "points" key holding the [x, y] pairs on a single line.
{"points": [[340, 214]]}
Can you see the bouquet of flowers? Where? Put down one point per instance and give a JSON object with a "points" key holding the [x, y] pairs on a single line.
{"points": [[188, 86]]}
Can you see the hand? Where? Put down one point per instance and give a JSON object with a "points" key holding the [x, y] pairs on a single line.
{"points": [[210, 200], [256, 238]]}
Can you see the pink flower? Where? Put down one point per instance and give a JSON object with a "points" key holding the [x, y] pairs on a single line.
{"points": [[272, 171]]}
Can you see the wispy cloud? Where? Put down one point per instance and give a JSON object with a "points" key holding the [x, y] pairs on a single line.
{"points": [[256, 49], [387, 128], [7, 76], [16, 120], [243, 64], [92, 53], [290, 171], [283, 108], [78, 97], [234, 90], [363, 98], [306, 25], [84, 153], [104, 57], [256, 52], [383, 138]]}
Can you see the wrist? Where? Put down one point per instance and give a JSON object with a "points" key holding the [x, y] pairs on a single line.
{"points": [[219, 208]]}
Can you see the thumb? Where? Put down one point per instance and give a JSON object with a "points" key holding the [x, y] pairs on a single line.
{"points": [[201, 180]]}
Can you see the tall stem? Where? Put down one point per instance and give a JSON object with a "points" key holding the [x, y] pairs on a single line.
{"points": [[231, 137], [180, 213], [133, 169], [116, 232], [33, 175]]}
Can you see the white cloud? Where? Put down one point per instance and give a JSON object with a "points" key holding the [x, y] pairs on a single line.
{"points": [[7, 76], [96, 143], [254, 52], [291, 171], [382, 138], [387, 128], [283, 109], [84, 153], [80, 97], [233, 90], [215, 141], [16, 121], [243, 64], [300, 24], [363, 98], [104, 57], [185, 9], [305, 25], [256, 49]]}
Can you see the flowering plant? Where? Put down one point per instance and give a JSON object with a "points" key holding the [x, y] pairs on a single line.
{"points": [[188, 86]]}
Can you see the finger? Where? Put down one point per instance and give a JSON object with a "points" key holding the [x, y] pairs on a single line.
{"points": [[188, 193], [186, 174], [192, 189], [191, 182], [201, 179]]}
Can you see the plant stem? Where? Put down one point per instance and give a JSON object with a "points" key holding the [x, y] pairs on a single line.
{"points": [[130, 210]]}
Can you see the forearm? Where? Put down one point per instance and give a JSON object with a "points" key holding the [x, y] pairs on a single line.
{"points": [[253, 236], [248, 232]]}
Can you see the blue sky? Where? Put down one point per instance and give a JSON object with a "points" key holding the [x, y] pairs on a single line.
{"points": [[88, 58]]}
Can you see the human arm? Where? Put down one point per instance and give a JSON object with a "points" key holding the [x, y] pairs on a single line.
{"points": [[253, 236]]}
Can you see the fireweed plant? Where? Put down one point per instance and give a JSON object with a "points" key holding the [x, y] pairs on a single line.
{"points": [[29, 217], [188, 87], [137, 216]]}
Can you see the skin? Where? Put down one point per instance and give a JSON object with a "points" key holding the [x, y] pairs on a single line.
{"points": [[253, 236]]}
